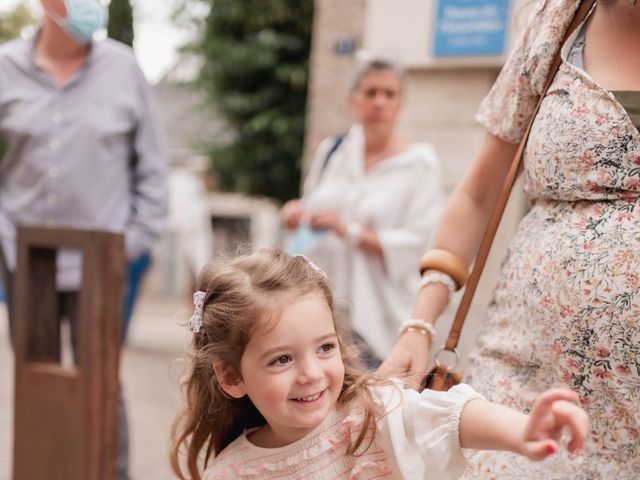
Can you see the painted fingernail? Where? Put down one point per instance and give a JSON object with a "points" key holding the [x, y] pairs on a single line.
{"points": [[550, 448]]}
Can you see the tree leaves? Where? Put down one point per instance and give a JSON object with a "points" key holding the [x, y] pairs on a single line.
{"points": [[255, 63]]}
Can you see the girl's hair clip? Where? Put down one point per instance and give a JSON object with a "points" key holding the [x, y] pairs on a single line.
{"points": [[313, 266], [195, 322]]}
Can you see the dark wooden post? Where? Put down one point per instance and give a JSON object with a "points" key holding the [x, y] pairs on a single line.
{"points": [[66, 418]]}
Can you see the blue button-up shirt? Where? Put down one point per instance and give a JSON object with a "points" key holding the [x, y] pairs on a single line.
{"points": [[85, 155]]}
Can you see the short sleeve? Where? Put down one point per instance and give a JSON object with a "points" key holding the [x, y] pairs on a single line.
{"points": [[421, 430], [506, 110]]}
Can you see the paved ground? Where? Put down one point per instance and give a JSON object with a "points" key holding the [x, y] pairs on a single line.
{"points": [[151, 367]]}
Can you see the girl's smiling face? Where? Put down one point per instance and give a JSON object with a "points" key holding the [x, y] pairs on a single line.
{"points": [[292, 371]]}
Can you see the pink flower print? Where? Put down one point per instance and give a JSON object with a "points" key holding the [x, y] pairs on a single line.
{"points": [[603, 118], [622, 217], [595, 189], [580, 111], [596, 210], [523, 81], [566, 311], [602, 373], [572, 364], [623, 370], [588, 246], [546, 301], [603, 352], [631, 280], [566, 376], [586, 159], [633, 184], [581, 223], [636, 160], [505, 383], [603, 176]]}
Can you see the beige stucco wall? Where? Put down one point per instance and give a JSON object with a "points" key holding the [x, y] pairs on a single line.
{"points": [[440, 104]]}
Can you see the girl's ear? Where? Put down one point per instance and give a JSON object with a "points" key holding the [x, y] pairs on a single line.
{"points": [[229, 381]]}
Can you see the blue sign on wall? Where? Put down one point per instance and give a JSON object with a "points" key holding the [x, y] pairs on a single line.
{"points": [[470, 27]]}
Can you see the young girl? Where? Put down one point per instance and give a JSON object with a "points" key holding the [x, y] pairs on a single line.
{"points": [[274, 392]]}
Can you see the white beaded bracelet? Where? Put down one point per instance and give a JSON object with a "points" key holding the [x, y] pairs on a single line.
{"points": [[418, 324], [438, 277], [354, 233]]}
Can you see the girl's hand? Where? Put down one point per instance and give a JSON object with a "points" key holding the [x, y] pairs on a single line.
{"points": [[551, 413], [328, 219], [291, 213], [408, 359]]}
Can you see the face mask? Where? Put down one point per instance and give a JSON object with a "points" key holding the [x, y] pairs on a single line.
{"points": [[84, 18]]}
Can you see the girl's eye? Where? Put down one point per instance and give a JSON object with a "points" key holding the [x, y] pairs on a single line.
{"points": [[281, 360], [327, 347]]}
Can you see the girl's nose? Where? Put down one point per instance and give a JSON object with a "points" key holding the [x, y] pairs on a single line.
{"points": [[310, 371]]}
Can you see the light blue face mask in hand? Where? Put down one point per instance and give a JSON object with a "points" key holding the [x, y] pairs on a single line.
{"points": [[84, 18], [304, 239]]}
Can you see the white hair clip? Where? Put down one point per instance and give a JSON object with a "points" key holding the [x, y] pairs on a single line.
{"points": [[195, 322], [313, 266]]}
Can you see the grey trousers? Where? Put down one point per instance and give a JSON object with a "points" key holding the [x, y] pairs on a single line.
{"points": [[68, 311]]}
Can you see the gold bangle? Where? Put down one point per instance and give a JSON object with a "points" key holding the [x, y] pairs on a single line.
{"points": [[446, 262]]}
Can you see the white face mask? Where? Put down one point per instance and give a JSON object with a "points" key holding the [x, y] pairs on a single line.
{"points": [[84, 18]]}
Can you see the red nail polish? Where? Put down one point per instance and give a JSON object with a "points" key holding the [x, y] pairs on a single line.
{"points": [[550, 448]]}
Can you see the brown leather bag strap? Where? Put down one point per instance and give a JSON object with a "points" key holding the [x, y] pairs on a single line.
{"points": [[454, 334]]}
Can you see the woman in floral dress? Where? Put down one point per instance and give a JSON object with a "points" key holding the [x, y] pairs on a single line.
{"points": [[566, 308]]}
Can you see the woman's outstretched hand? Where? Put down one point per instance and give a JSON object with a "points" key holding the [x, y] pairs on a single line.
{"points": [[552, 414], [408, 359]]}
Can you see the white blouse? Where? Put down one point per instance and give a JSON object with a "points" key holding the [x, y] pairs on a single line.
{"points": [[401, 199], [417, 439]]}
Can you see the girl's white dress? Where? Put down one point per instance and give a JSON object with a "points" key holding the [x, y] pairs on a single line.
{"points": [[417, 439]]}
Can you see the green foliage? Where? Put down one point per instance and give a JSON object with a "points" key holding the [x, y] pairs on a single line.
{"points": [[12, 22], [255, 63], [120, 26]]}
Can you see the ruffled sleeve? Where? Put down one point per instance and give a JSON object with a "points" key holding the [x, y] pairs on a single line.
{"points": [[421, 430], [506, 110]]}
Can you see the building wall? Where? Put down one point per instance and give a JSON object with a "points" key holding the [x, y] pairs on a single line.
{"points": [[327, 112], [440, 105]]}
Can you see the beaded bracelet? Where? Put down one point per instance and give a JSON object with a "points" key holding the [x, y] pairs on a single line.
{"points": [[438, 277], [446, 262], [416, 324]]}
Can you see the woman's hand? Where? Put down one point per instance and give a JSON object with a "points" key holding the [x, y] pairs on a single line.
{"points": [[552, 412], [291, 213], [408, 359], [328, 219]]}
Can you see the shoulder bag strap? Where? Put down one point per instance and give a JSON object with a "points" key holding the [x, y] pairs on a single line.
{"points": [[452, 340]]}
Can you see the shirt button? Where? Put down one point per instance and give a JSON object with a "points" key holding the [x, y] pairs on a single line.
{"points": [[52, 199], [54, 144], [56, 118]]}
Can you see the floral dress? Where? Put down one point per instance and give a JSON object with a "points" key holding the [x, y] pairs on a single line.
{"points": [[566, 308]]}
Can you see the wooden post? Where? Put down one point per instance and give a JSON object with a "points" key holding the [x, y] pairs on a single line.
{"points": [[66, 418]]}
